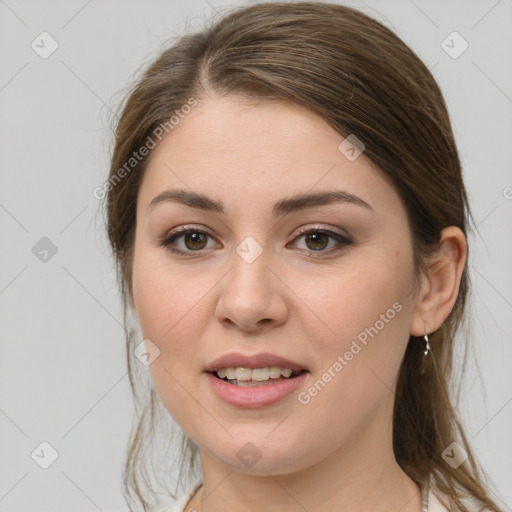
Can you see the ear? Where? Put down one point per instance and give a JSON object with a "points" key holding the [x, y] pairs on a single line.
{"points": [[440, 286]]}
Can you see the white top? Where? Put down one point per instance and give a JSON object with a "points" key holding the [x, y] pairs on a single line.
{"points": [[434, 505], [181, 502]]}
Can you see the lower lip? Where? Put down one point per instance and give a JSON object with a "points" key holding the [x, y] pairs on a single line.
{"points": [[255, 396]]}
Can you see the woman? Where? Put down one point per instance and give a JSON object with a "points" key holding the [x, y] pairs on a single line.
{"points": [[289, 220]]}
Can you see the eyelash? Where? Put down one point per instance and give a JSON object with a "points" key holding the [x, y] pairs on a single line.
{"points": [[343, 241]]}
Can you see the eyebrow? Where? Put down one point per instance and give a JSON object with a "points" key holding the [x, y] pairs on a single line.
{"points": [[281, 207]]}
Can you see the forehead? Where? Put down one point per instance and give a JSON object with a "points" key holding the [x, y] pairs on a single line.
{"points": [[240, 151]]}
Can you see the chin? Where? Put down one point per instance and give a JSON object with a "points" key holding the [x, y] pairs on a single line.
{"points": [[261, 458]]}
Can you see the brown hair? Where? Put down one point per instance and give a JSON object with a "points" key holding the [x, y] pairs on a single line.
{"points": [[362, 79]]}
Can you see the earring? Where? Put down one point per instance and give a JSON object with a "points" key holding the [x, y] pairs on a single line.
{"points": [[427, 345]]}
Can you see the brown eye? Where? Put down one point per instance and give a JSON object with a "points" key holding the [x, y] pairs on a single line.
{"points": [[322, 241], [317, 241], [195, 241], [186, 241]]}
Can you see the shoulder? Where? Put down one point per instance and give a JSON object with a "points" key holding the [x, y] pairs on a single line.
{"points": [[180, 503], [435, 505]]}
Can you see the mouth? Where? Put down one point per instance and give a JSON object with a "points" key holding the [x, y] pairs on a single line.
{"points": [[249, 377], [255, 385], [259, 369]]}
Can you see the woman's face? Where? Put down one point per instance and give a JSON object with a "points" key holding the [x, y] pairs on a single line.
{"points": [[249, 281]]}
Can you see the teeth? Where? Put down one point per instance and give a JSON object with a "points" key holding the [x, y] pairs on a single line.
{"points": [[274, 372], [243, 373], [256, 374]]}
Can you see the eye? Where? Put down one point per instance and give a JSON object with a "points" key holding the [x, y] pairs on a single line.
{"points": [[188, 240], [317, 240], [193, 240]]}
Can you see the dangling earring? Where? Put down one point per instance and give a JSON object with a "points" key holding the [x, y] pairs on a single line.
{"points": [[427, 345]]}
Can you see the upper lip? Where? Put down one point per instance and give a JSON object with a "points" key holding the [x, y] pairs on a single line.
{"points": [[261, 360]]}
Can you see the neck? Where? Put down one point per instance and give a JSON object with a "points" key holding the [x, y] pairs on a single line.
{"points": [[361, 475]]}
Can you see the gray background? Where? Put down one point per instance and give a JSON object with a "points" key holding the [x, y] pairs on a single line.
{"points": [[62, 368]]}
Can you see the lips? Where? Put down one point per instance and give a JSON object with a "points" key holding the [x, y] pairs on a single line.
{"points": [[255, 397], [261, 360]]}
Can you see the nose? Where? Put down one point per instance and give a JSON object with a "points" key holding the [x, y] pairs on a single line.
{"points": [[252, 296]]}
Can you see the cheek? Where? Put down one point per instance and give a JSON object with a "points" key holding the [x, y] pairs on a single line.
{"points": [[367, 312], [352, 299], [165, 296], [165, 311], [167, 308], [171, 303]]}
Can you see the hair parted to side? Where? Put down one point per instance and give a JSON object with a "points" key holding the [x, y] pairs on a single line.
{"points": [[362, 79]]}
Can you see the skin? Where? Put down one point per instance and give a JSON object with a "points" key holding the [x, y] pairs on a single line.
{"points": [[334, 453]]}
